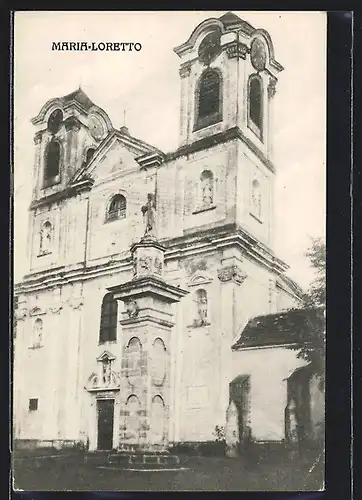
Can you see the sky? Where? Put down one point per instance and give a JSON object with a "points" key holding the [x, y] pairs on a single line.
{"points": [[143, 88]]}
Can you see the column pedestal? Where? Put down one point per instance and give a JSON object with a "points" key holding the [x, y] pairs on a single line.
{"points": [[147, 320]]}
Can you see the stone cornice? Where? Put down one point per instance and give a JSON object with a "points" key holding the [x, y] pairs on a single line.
{"points": [[148, 285], [220, 138], [68, 192], [201, 242]]}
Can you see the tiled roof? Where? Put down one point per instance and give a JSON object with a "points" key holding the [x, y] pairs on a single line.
{"points": [[287, 327]]}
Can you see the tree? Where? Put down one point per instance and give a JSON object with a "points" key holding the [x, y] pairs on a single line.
{"points": [[313, 349], [316, 294]]}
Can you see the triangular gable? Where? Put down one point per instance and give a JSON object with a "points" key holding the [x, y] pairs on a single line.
{"points": [[118, 150], [106, 355]]}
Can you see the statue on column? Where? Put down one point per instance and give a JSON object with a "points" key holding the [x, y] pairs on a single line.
{"points": [[149, 215]]}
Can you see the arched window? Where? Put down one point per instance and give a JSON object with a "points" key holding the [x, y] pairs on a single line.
{"points": [[46, 238], [202, 307], [108, 327], [208, 99], [117, 208], [256, 104], [89, 155], [52, 163], [207, 188], [37, 332], [256, 198]]}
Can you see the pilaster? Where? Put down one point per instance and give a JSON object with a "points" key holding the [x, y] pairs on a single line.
{"points": [[231, 276]]}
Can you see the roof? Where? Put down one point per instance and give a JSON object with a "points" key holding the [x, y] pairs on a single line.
{"points": [[80, 96], [230, 19], [287, 327]]}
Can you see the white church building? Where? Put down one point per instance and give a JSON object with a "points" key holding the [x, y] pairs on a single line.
{"points": [[151, 274]]}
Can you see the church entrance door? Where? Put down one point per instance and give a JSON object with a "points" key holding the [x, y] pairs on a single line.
{"points": [[105, 414]]}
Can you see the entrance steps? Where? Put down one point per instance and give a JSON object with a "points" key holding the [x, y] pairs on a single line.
{"points": [[143, 459], [129, 459]]}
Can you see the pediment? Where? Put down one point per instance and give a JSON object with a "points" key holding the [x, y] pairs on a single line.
{"points": [[199, 279], [106, 356], [36, 311], [118, 152]]}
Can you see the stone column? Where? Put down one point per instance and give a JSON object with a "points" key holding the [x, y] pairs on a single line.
{"points": [[146, 330], [74, 384]]}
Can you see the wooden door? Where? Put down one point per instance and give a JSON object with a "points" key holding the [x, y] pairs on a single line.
{"points": [[105, 413]]}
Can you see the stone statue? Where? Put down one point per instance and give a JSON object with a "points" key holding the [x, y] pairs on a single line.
{"points": [[201, 307], [149, 215], [107, 373]]}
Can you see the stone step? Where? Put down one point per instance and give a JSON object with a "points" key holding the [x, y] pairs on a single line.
{"points": [[143, 459]]}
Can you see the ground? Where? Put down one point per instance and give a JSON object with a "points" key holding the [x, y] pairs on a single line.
{"points": [[64, 471]]}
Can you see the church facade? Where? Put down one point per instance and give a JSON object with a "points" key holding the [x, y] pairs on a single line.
{"points": [[146, 266]]}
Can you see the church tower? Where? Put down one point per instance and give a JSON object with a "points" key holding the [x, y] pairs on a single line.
{"points": [[228, 79], [68, 131]]}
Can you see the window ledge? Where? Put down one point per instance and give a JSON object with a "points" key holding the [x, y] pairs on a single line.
{"points": [[256, 217], [198, 324], [113, 219], [204, 209], [103, 342], [207, 121], [255, 129], [43, 254], [52, 181]]}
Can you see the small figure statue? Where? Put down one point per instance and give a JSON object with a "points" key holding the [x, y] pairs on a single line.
{"points": [[107, 373], [149, 215], [201, 307]]}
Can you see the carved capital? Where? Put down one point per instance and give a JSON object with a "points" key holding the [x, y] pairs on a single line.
{"points": [[236, 50], [55, 309], [20, 314], [185, 70], [272, 88], [37, 137], [76, 303], [72, 123], [132, 309], [232, 273]]}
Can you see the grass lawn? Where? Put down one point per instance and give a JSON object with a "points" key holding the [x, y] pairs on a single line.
{"points": [[69, 472]]}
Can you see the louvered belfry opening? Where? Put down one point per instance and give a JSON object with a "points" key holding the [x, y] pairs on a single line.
{"points": [[255, 102], [52, 163], [209, 99]]}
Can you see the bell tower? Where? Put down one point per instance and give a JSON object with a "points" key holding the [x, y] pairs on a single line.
{"points": [[228, 80]]}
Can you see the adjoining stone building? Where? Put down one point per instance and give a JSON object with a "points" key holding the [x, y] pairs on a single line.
{"points": [[145, 266]]}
